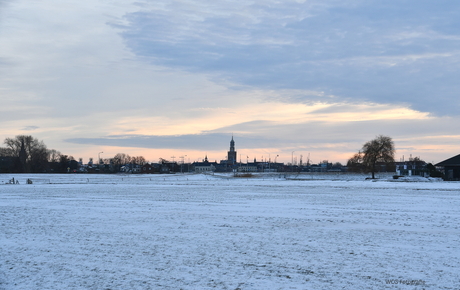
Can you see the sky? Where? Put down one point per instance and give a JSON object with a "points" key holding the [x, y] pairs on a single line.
{"points": [[311, 80]]}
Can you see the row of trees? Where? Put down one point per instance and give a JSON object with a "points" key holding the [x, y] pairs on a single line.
{"points": [[121, 159], [28, 154], [25, 154]]}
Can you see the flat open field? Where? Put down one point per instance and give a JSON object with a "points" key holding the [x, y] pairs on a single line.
{"points": [[218, 232]]}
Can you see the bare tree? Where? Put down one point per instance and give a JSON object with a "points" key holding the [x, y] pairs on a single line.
{"points": [[67, 163], [337, 164], [32, 153], [139, 160], [381, 149], [355, 163], [4, 152], [119, 160], [53, 155]]}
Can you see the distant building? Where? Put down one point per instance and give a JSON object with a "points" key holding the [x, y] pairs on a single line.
{"points": [[451, 168], [131, 168], [231, 155], [147, 169], [205, 166], [230, 163], [248, 167], [168, 166], [414, 166]]}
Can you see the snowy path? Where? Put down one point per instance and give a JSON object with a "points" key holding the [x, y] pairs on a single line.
{"points": [[204, 232]]}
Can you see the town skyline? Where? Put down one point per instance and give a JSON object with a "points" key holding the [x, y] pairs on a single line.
{"points": [[241, 156], [232, 155], [176, 78]]}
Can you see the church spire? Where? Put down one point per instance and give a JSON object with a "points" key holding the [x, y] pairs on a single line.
{"points": [[23, 156], [232, 145], [231, 155]]}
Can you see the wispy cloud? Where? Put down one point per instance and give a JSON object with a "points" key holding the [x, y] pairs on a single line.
{"points": [[30, 128]]}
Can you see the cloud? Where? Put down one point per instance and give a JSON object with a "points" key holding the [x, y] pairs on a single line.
{"points": [[192, 141], [321, 76], [404, 52], [30, 128]]}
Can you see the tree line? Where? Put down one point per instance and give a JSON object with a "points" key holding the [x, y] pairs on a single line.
{"points": [[26, 154]]}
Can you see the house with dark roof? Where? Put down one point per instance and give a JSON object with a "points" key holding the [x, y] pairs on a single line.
{"points": [[451, 168], [414, 166], [205, 166]]}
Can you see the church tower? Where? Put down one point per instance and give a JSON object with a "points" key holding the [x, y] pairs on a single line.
{"points": [[231, 155]]}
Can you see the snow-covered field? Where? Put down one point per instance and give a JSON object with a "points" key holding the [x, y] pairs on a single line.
{"points": [[218, 232]]}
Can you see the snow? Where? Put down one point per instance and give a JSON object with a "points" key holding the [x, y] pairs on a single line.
{"points": [[271, 231]]}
